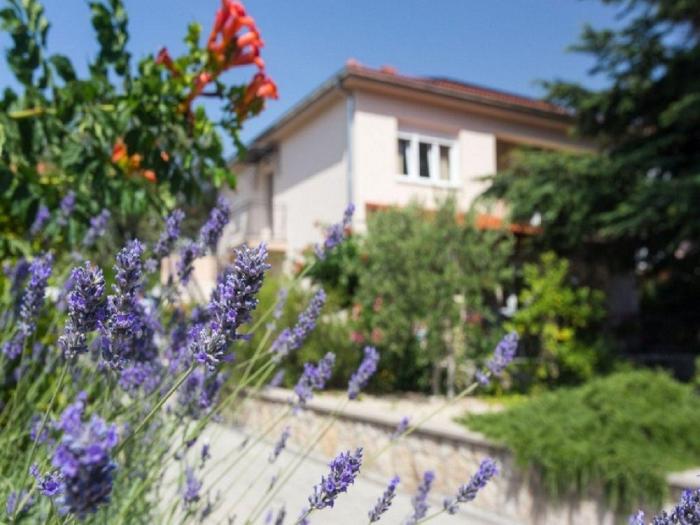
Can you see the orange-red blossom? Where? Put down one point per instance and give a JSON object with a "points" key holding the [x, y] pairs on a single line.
{"points": [[130, 164], [166, 60], [260, 87], [234, 41]]}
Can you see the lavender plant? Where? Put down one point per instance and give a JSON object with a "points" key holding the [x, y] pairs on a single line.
{"points": [[384, 502], [103, 402], [82, 465]]}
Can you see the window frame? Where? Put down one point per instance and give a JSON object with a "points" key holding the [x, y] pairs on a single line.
{"points": [[414, 138]]}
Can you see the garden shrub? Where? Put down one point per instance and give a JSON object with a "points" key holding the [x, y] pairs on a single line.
{"points": [[560, 325], [623, 434], [429, 302]]}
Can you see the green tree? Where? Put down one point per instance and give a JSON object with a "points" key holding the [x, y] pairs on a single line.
{"points": [[427, 291], [558, 323], [631, 207], [127, 137]]}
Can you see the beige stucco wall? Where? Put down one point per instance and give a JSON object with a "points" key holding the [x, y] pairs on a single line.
{"points": [[311, 182], [378, 119], [247, 188]]}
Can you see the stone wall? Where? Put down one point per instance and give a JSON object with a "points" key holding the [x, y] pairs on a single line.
{"points": [[453, 453]]}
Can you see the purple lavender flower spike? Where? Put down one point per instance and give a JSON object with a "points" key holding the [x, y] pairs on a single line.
{"points": [[13, 348], [168, 237], [637, 518], [420, 500], [33, 300], [314, 377], [190, 494], [40, 219], [235, 298], [85, 309], [291, 339], [335, 233], [189, 252], [503, 355], [199, 392], [49, 485], [400, 428], [34, 434], [279, 446], [466, 493], [17, 274], [687, 511], [144, 375], [367, 368], [276, 380], [128, 344], [124, 317], [281, 514], [384, 502], [30, 304], [282, 295], [204, 454], [83, 460], [343, 471], [13, 499], [98, 227], [209, 346], [209, 235], [211, 231], [66, 208], [231, 306], [303, 520]]}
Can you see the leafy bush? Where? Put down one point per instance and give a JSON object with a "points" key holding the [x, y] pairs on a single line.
{"points": [[429, 302], [339, 272], [331, 333], [126, 137], [559, 324], [622, 434]]}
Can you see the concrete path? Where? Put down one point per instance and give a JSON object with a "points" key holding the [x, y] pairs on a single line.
{"points": [[235, 490]]}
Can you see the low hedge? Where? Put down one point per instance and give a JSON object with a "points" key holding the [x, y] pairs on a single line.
{"points": [[622, 433]]}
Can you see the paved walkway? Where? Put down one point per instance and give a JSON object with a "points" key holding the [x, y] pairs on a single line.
{"points": [[240, 486]]}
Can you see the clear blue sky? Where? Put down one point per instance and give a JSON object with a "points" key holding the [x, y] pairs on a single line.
{"points": [[505, 44]]}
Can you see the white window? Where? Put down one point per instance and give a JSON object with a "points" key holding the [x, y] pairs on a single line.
{"points": [[427, 159]]}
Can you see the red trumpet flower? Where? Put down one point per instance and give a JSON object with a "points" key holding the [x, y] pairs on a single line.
{"points": [[260, 88], [164, 58]]}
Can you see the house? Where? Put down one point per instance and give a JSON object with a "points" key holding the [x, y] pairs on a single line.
{"points": [[378, 138]]}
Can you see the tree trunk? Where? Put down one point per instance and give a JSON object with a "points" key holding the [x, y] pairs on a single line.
{"points": [[437, 367], [451, 372]]}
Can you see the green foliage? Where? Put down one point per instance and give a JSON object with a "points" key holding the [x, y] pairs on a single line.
{"points": [[622, 434], [632, 206], [123, 137], [569, 191], [429, 301], [27, 386], [558, 324], [338, 271], [648, 121], [332, 333]]}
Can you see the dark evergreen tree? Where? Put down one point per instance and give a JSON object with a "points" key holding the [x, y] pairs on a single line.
{"points": [[633, 205]]}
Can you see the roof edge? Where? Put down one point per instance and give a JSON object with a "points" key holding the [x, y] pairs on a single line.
{"points": [[438, 86]]}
